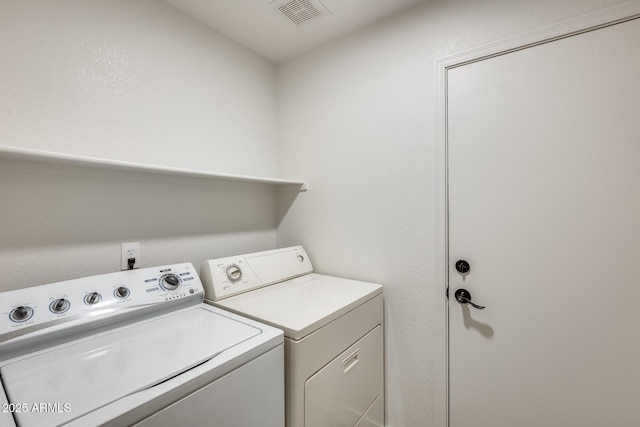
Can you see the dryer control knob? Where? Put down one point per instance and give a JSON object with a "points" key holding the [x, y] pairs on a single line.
{"points": [[170, 282], [234, 273]]}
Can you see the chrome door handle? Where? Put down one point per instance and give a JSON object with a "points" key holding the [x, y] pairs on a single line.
{"points": [[464, 297]]}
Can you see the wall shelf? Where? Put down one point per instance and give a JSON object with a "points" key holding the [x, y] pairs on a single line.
{"points": [[40, 156]]}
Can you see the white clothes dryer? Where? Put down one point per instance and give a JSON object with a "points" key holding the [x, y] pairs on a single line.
{"points": [[333, 332], [136, 348]]}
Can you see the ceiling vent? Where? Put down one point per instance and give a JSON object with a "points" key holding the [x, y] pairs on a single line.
{"points": [[299, 11]]}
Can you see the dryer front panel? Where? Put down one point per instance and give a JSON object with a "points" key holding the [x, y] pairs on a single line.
{"points": [[340, 393]]}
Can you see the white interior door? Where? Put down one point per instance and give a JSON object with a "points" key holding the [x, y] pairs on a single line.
{"points": [[544, 204]]}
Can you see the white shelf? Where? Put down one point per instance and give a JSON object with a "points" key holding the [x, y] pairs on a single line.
{"points": [[33, 155]]}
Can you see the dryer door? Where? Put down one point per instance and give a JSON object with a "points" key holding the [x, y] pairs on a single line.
{"points": [[341, 392]]}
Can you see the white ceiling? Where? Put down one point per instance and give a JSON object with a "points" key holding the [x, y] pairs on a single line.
{"points": [[259, 25]]}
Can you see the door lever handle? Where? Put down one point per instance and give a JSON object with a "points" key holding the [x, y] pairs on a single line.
{"points": [[464, 297]]}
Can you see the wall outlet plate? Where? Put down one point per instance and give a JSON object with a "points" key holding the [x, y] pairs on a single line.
{"points": [[130, 250]]}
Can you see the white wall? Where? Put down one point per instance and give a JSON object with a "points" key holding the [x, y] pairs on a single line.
{"points": [[356, 120], [133, 80], [138, 81]]}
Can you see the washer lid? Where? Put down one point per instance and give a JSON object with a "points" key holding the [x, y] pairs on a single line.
{"points": [[78, 378], [302, 305]]}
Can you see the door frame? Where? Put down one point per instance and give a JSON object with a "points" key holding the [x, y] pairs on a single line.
{"points": [[588, 22]]}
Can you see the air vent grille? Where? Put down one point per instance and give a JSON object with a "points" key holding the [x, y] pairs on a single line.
{"points": [[299, 11]]}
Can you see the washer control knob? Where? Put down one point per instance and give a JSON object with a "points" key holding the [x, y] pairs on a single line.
{"points": [[122, 292], [234, 273], [92, 298], [170, 282], [22, 313], [59, 306]]}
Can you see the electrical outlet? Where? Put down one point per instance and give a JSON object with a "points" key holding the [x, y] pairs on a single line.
{"points": [[130, 250]]}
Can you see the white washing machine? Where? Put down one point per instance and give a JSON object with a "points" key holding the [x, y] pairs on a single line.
{"points": [[136, 348], [333, 332]]}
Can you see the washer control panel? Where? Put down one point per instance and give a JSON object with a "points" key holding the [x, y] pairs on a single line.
{"points": [[225, 277], [74, 299]]}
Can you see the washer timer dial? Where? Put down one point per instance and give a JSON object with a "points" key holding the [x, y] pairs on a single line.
{"points": [[170, 282]]}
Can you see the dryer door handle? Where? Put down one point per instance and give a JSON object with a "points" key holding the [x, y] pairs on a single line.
{"points": [[350, 362]]}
